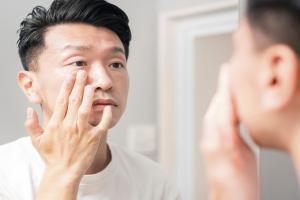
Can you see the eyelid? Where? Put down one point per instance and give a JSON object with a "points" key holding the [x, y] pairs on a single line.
{"points": [[85, 63], [74, 58], [123, 65]]}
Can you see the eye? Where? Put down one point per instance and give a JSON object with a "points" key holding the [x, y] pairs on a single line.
{"points": [[79, 63], [117, 65]]}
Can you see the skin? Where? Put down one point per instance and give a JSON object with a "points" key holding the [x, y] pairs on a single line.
{"points": [[230, 163], [259, 87], [87, 65]]}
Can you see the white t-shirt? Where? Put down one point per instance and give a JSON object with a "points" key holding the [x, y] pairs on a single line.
{"points": [[129, 176]]}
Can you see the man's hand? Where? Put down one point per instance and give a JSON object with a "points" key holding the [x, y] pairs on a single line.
{"points": [[68, 144], [230, 163]]}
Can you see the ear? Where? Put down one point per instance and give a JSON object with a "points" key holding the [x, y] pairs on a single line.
{"points": [[278, 77], [27, 83]]}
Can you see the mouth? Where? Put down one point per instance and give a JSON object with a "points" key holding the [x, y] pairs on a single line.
{"points": [[99, 104]]}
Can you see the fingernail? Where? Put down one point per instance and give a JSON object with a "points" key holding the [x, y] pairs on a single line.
{"points": [[29, 112], [89, 87]]}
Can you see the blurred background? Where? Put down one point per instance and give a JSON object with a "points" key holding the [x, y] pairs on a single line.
{"points": [[177, 48]]}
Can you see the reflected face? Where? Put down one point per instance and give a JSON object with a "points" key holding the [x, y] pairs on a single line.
{"points": [[98, 51], [244, 71]]}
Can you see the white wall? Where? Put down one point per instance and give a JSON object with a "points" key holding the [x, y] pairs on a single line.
{"points": [[168, 5], [12, 103]]}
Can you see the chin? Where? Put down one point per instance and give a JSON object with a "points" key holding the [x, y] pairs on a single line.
{"points": [[258, 134], [255, 135], [95, 120]]}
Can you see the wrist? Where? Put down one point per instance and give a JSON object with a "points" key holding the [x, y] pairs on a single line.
{"points": [[62, 176], [58, 184]]}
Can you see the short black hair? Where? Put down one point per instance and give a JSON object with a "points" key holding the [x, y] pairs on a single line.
{"points": [[277, 20], [94, 12]]}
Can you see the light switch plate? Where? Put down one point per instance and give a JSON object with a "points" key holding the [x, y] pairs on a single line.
{"points": [[142, 138]]}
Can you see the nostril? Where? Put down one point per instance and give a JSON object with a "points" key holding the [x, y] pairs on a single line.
{"points": [[103, 88]]}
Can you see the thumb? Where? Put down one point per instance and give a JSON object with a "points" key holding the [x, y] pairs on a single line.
{"points": [[32, 124], [106, 120]]}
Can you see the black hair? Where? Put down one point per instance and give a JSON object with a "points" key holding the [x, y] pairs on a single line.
{"points": [[277, 20], [94, 12]]}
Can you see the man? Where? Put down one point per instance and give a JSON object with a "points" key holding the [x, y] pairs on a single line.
{"points": [[259, 88], [75, 67]]}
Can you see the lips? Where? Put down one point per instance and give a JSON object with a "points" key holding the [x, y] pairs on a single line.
{"points": [[99, 104], [104, 102]]}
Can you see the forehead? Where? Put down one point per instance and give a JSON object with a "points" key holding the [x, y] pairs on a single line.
{"points": [[60, 36]]}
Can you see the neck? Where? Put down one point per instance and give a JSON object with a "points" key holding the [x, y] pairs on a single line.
{"points": [[294, 151], [102, 158]]}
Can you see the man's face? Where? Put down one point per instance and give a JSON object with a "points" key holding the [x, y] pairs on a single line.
{"points": [[244, 72], [98, 51]]}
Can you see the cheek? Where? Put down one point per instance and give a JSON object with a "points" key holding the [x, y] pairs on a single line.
{"points": [[245, 92], [52, 87], [122, 84]]}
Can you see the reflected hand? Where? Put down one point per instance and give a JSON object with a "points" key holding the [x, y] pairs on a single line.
{"points": [[230, 163]]}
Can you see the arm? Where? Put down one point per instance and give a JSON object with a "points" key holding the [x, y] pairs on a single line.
{"points": [[58, 184], [68, 144], [231, 165]]}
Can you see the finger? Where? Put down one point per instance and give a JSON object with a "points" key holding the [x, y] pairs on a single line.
{"points": [[212, 108], [86, 106], [215, 115], [75, 98], [227, 116], [225, 108], [61, 104], [209, 119], [106, 120], [32, 124]]}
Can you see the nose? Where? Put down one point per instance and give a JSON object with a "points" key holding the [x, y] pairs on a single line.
{"points": [[100, 78]]}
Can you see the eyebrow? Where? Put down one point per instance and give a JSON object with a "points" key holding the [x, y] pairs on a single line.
{"points": [[118, 50], [77, 47], [114, 49]]}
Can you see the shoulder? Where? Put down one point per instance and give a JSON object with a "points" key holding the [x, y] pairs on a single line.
{"points": [[16, 146], [14, 153], [19, 171]]}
